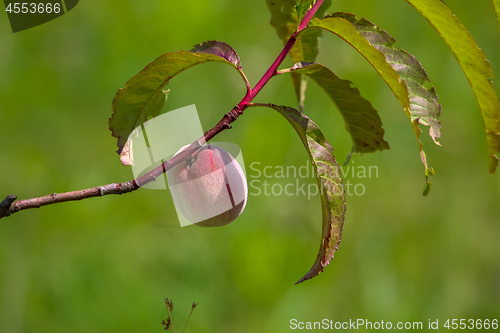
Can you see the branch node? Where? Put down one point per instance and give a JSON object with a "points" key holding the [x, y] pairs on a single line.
{"points": [[234, 114]]}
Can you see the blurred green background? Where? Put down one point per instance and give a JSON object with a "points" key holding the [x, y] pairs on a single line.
{"points": [[105, 264]]}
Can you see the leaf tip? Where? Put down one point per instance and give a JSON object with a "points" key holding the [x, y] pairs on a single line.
{"points": [[220, 49], [493, 163], [435, 134], [311, 274]]}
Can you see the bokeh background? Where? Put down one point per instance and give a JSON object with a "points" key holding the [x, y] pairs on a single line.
{"points": [[106, 264]]}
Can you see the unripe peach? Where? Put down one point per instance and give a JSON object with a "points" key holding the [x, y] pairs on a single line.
{"points": [[211, 190]]}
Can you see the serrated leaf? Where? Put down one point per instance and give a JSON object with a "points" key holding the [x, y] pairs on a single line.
{"points": [[496, 5], [285, 18], [361, 119], [474, 64], [394, 65], [143, 96], [423, 102], [327, 173]]}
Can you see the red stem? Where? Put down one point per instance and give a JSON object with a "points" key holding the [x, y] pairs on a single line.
{"points": [[274, 67]]}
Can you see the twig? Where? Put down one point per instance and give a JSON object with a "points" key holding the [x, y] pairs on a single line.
{"points": [[9, 206], [190, 313]]}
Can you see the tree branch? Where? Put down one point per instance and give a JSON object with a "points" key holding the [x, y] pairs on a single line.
{"points": [[9, 206]]}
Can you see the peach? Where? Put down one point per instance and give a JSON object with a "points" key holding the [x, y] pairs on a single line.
{"points": [[211, 189]]}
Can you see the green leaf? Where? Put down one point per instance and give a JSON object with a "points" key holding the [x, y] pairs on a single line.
{"points": [[474, 64], [143, 96], [399, 69], [361, 119], [328, 177], [496, 4], [302, 6], [285, 17], [304, 49], [287, 14], [423, 102]]}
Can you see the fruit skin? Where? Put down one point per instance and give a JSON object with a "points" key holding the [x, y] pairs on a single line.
{"points": [[211, 190]]}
